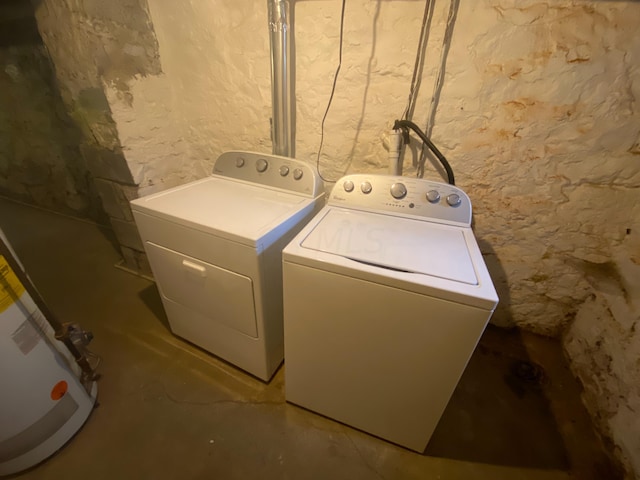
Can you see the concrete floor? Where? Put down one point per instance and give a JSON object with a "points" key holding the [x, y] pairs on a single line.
{"points": [[168, 410]]}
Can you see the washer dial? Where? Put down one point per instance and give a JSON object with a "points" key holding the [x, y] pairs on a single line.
{"points": [[433, 196], [453, 199], [366, 187], [398, 191], [284, 170]]}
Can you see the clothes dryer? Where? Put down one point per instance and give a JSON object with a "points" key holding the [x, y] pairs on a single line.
{"points": [[215, 245], [386, 295]]}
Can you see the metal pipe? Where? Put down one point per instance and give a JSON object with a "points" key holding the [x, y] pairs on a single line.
{"points": [[282, 91]]}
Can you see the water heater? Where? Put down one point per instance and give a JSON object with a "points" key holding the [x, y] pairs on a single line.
{"points": [[43, 403]]}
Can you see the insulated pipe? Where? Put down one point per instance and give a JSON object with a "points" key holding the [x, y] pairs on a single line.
{"points": [[282, 99]]}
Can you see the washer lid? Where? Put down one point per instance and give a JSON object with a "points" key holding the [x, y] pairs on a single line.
{"points": [[236, 210], [396, 243]]}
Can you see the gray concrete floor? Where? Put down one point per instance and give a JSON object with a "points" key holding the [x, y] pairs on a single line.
{"points": [[168, 410]]}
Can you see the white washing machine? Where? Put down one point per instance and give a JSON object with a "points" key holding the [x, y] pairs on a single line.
{"points": [[386, 295], [215, 249]]}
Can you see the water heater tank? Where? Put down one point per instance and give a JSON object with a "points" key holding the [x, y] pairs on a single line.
{"points": [[42, 403]]}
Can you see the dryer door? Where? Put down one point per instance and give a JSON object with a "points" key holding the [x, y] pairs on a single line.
{"points": [[220, 295]]}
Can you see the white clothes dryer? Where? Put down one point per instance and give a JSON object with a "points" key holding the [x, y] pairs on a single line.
{"points": [[386, 295], [215, 246]]}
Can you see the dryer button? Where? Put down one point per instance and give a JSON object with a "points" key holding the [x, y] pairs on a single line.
{"points": [[348, 186], [261, 165]]}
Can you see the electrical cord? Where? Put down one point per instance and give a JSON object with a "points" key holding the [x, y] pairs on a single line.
{"points": [[419, 63], [405, 125], [437, 88], [333, 90]]}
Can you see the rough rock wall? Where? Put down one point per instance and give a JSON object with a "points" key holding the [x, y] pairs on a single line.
{"points": [[40, 160], [603, 344], [96, 46], [213, 94]]}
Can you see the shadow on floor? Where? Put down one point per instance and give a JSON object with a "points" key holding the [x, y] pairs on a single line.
{"points": [[499, 414]]}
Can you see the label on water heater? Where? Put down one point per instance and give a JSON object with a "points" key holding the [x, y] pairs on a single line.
{"points": [[10, 287]]}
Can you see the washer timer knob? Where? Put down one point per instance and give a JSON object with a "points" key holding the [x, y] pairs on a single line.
{"points": [[366, 187], [453, 199], [433, 196], [239, 162], [261, 165], [348, 186], [284, 171], [297, 174], [398, 191]]}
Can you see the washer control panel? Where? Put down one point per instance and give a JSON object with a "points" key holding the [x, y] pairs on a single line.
{"points": [[271, 171], [406, 196]]}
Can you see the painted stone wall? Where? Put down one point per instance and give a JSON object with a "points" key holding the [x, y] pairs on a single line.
{"points": [[603, 343], [40, 160], [97, 46]]}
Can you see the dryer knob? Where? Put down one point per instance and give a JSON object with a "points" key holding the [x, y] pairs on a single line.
{"points": [[453, 199], [261, 165], [433, 196], [366, 187], [297, 174], [284, 170], [398, 191], [239, 162], [348, 186]]}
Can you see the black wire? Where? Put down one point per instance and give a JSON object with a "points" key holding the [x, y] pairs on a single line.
{"points": [[422, 45], [405, 125], [333, 89]]}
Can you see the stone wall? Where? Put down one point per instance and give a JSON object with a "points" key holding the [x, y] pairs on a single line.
{"points": [[603, 343], [40, 160], [97, 46]]}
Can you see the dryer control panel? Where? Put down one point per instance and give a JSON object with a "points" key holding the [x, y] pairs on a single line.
{"points": [[405, 196], [271, 171]]}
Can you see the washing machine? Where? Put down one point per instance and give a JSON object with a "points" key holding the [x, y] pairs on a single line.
{"points": [[215, 246], [386, 295]]}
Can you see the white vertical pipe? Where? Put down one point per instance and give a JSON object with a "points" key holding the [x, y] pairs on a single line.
{"points": [[395, 145], [280, 36]]}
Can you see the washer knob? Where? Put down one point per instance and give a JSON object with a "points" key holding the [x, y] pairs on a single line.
{"points": [[239, 162], [284, 170], [261, 165], [297, 174], [348, 186], [398, 191], [433, 196], [453, 199], [366, 187]]}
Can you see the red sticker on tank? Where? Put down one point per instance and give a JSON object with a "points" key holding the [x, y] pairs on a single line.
{"points": [[58, 390]]}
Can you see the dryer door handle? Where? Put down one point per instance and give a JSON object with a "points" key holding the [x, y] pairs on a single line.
{"points": [[199, 270]]}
